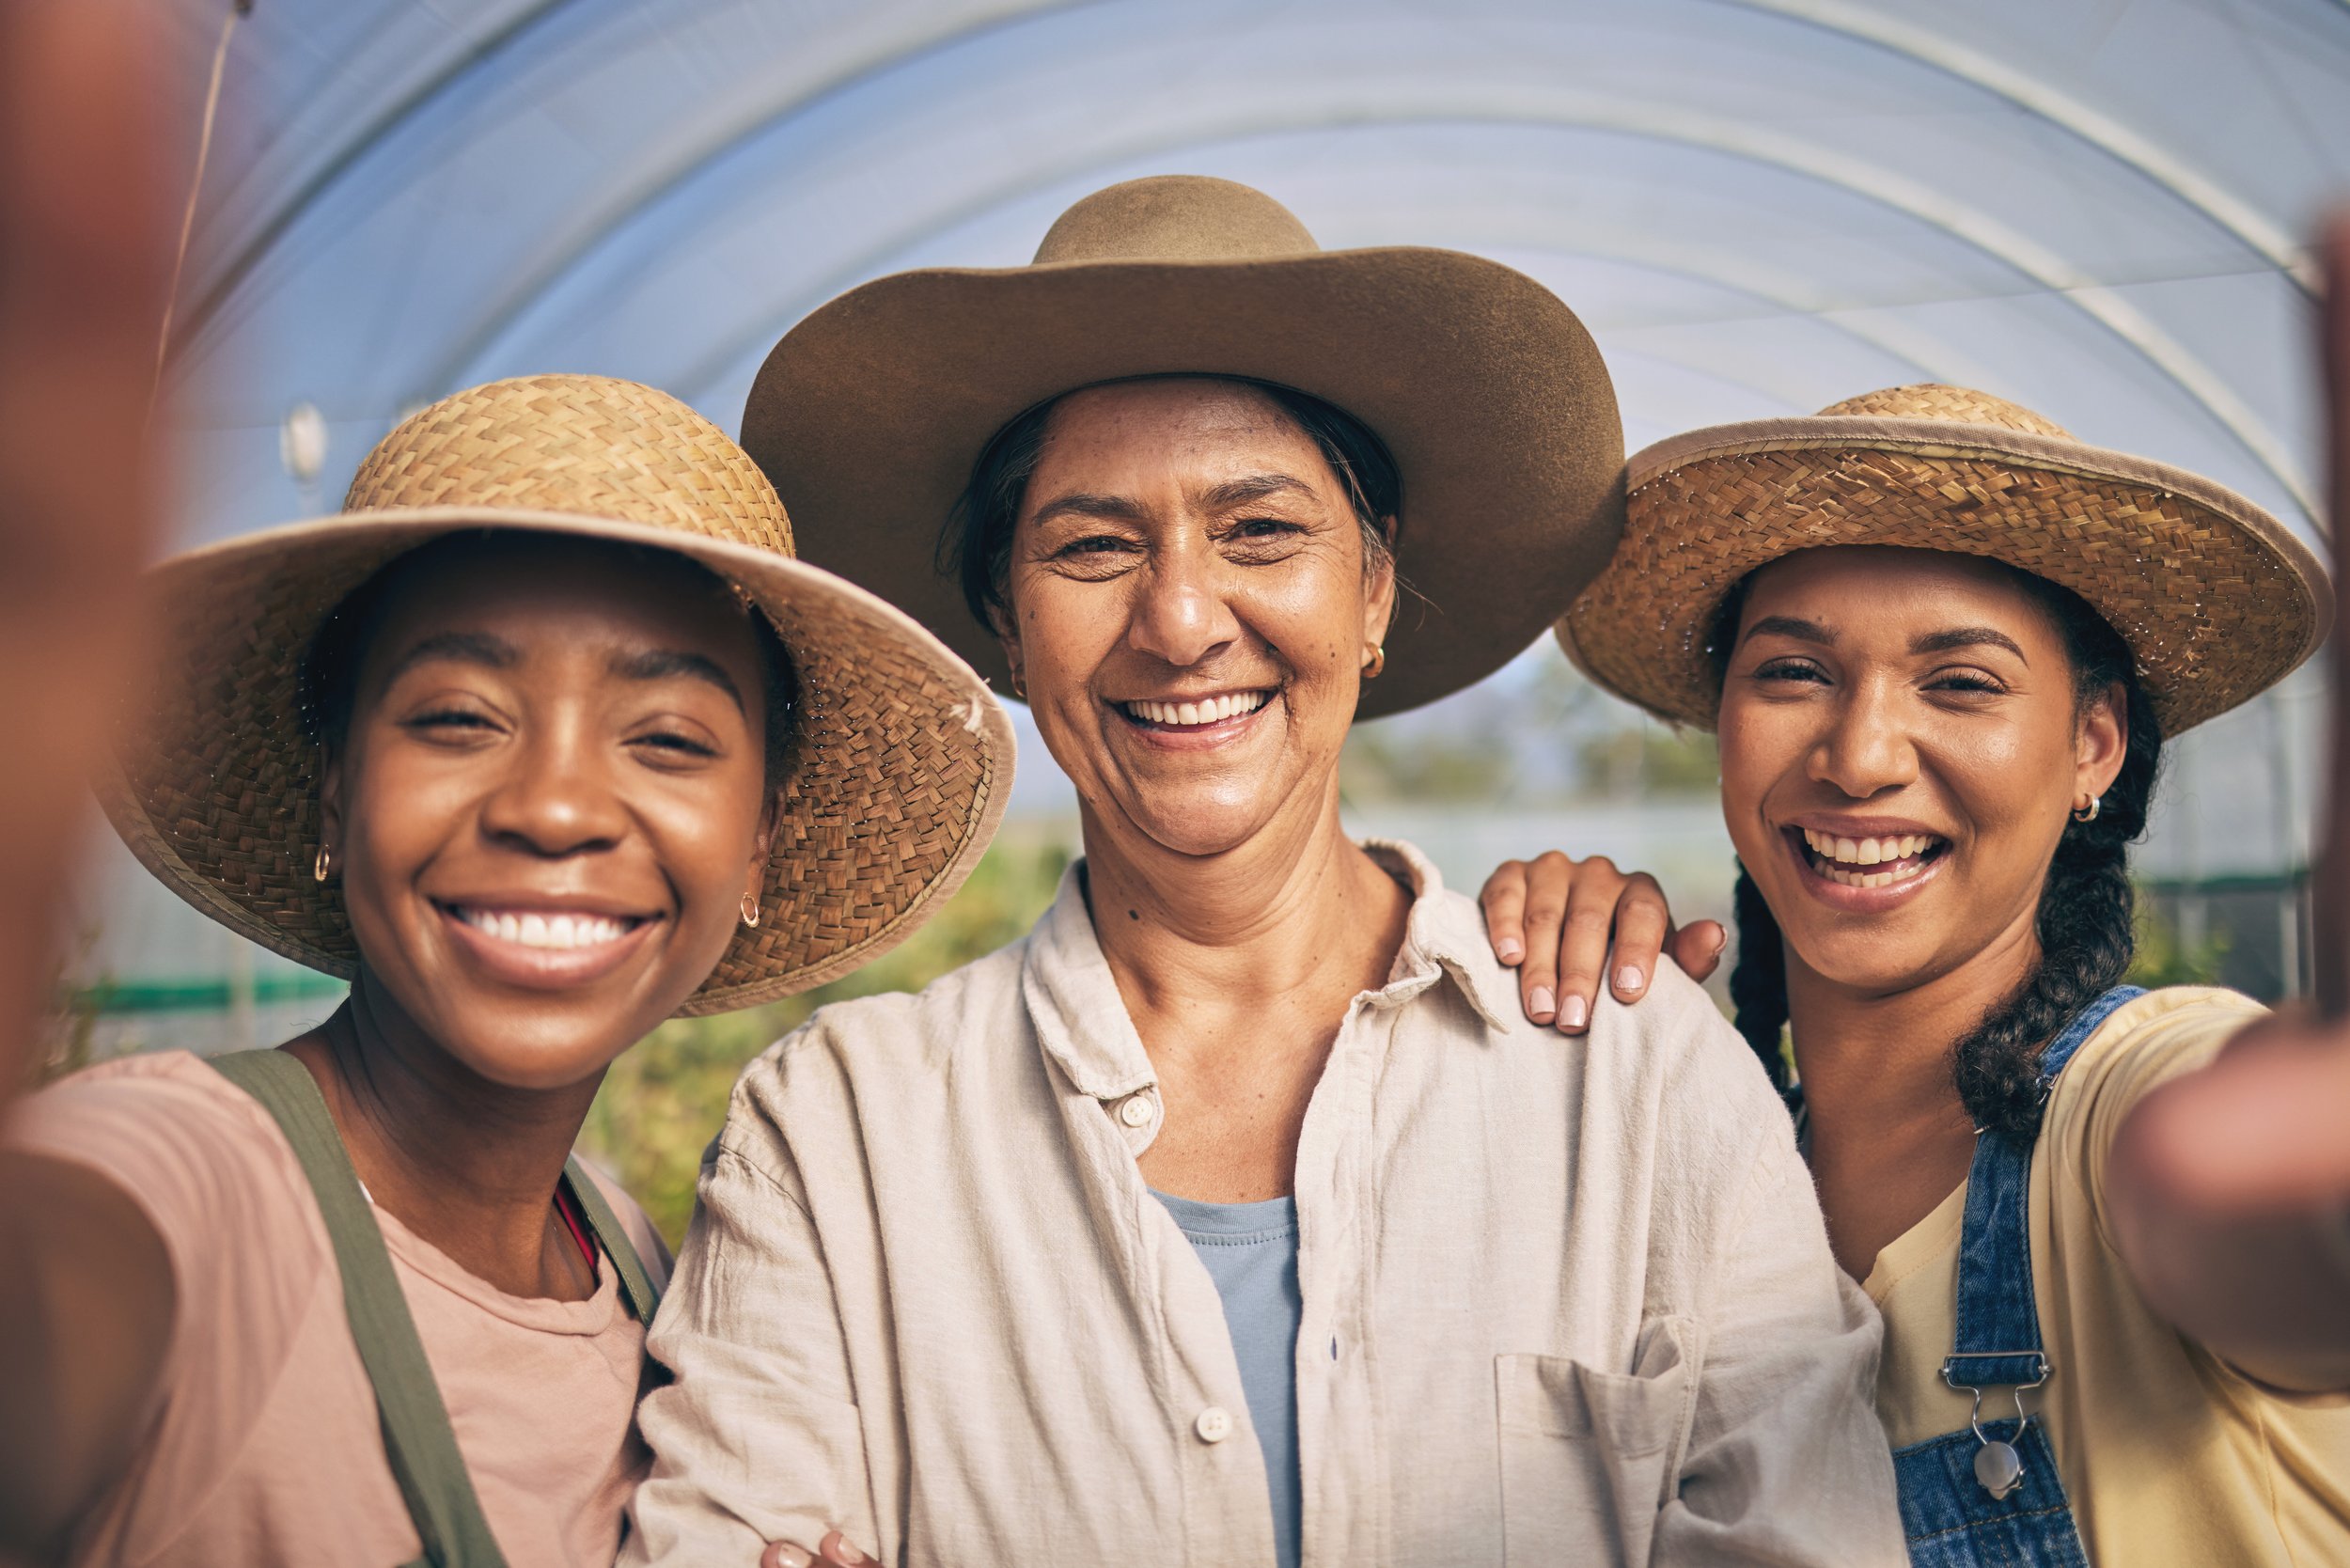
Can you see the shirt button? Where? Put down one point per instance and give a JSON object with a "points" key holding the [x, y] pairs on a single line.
{"points": [[1213, 1425], [1135, 1111]]}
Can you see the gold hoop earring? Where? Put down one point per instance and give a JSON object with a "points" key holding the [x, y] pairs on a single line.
{"points": [[1019, 685], [1377, 662], [2089, 813], [750, 909], [323, 864]]}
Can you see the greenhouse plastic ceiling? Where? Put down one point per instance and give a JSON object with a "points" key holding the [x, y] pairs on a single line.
{"points": [[2092, 207]]}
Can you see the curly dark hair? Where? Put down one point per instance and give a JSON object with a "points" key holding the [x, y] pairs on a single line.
{"points": [[2086, 923]]}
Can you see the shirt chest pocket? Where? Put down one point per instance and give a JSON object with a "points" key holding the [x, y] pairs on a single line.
{"points": [[1589, 1457]]}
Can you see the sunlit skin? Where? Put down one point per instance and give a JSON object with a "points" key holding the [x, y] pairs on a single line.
{"points": [[1184, 541], [554, 731], [1890, 694]]}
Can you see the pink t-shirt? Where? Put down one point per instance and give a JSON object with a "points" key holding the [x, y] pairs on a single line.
{"points": [[265, 1447]]}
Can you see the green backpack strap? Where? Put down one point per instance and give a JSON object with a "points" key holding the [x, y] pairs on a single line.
{"points": [[644, 1296], [417, 1438]]}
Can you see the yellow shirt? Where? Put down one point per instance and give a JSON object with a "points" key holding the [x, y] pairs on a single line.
{"points": [[2168, 1455]]}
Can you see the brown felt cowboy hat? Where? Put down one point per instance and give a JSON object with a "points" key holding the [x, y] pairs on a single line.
{"points": [[900, 758], [1485, 388], [2215, 599]]}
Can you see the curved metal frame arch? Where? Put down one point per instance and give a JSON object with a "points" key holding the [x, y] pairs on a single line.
{"points": [[348, 154], [1835, 16], [1974, 228], [2061, 110]]}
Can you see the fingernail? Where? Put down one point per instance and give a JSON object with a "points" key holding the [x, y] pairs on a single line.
{"points": [[1629, 978], [1541, 1001], [1721, 940], [1573, 1012], [844, 1551], [1509, 950], [782, 1554]]}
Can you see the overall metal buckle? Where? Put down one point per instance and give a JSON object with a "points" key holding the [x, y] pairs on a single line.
{"points": [[1999, 1468]]}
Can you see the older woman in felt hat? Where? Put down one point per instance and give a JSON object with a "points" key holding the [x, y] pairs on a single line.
{"points": [[545, 739], [1232, 1215], [1944, 644]]}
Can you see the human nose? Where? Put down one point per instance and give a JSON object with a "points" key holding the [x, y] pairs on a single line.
{"points": [[1865, 749], [1183, 615], [557, 797]]}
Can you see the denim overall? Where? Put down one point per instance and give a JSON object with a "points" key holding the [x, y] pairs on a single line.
{"points": [[1988, 1493]]}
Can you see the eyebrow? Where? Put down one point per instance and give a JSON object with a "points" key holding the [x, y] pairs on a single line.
{"points": [[1791, 626], [469, 647], [669, 663], [1930, 642], [1078, 503], [1966, 637], [1254, 487]]}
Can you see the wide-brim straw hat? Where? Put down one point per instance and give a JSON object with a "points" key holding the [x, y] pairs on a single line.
{"points": [[899, 759], [1486, 389], [2215, 598]]}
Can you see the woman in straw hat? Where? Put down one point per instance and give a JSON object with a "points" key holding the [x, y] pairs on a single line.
{"points": [[545, 739], [1230, 1217], [1943, 644]]}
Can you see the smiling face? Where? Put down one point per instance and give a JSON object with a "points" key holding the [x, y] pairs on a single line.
{"points": [[551, 797], [1192, 608], [1901, 742]]}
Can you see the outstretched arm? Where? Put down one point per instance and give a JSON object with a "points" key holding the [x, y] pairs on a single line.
{"points": [[1556, 921], [86, 1303], [2230, 1187]]}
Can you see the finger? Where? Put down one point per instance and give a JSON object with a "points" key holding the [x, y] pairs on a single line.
{"points": [[836, 1548], [1504, 902], [1698, 947], [1643, 926], [782, 1554], [1548, 878], [2259, 1131], [82, 251], [2330, 887], [1591, 920]]}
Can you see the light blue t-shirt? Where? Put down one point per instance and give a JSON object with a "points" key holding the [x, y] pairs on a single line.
{"points": [[1251, 1253]]}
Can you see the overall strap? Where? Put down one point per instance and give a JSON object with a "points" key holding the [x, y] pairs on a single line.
{"points": [[417, 1438], [644, 1297], [1998, 1322]]}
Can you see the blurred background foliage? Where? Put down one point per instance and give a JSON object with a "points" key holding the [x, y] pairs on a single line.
{"points": [[662, 1103]]}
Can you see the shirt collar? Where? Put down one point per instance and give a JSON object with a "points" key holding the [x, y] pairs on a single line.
{"points": [[1081, 1020], [1444, 936], [1074, 1002]]}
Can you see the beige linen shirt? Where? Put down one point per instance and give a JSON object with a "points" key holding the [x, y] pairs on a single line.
{"points": [[1564, 1300]]}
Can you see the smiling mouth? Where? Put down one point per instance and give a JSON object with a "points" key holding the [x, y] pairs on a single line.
{"points": [[1199, 715], [1869, 862], [543, 930]]}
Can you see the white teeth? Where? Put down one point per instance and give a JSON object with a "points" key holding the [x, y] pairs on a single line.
{"points": [[1214, 709], [534, 930], [1844, 856]]}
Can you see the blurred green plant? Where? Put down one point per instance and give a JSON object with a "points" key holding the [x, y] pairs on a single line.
{"points": [[2165, 957], [70, 1028], [663, 1102]]}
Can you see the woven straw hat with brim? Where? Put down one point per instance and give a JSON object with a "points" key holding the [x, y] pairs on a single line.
{"points": [[2215, 599], [1486, 389], [900, 758]]}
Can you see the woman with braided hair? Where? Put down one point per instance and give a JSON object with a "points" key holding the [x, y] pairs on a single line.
{"points": [[1924, 626]]}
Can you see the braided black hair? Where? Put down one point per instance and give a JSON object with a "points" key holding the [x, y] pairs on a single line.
{"points": [[2086, 920]]}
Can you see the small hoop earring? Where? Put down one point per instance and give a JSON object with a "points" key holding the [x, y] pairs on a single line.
{"points": [[1019, 685], [2089, 813], [1377, 662], [750, 909], [323, 864]]}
